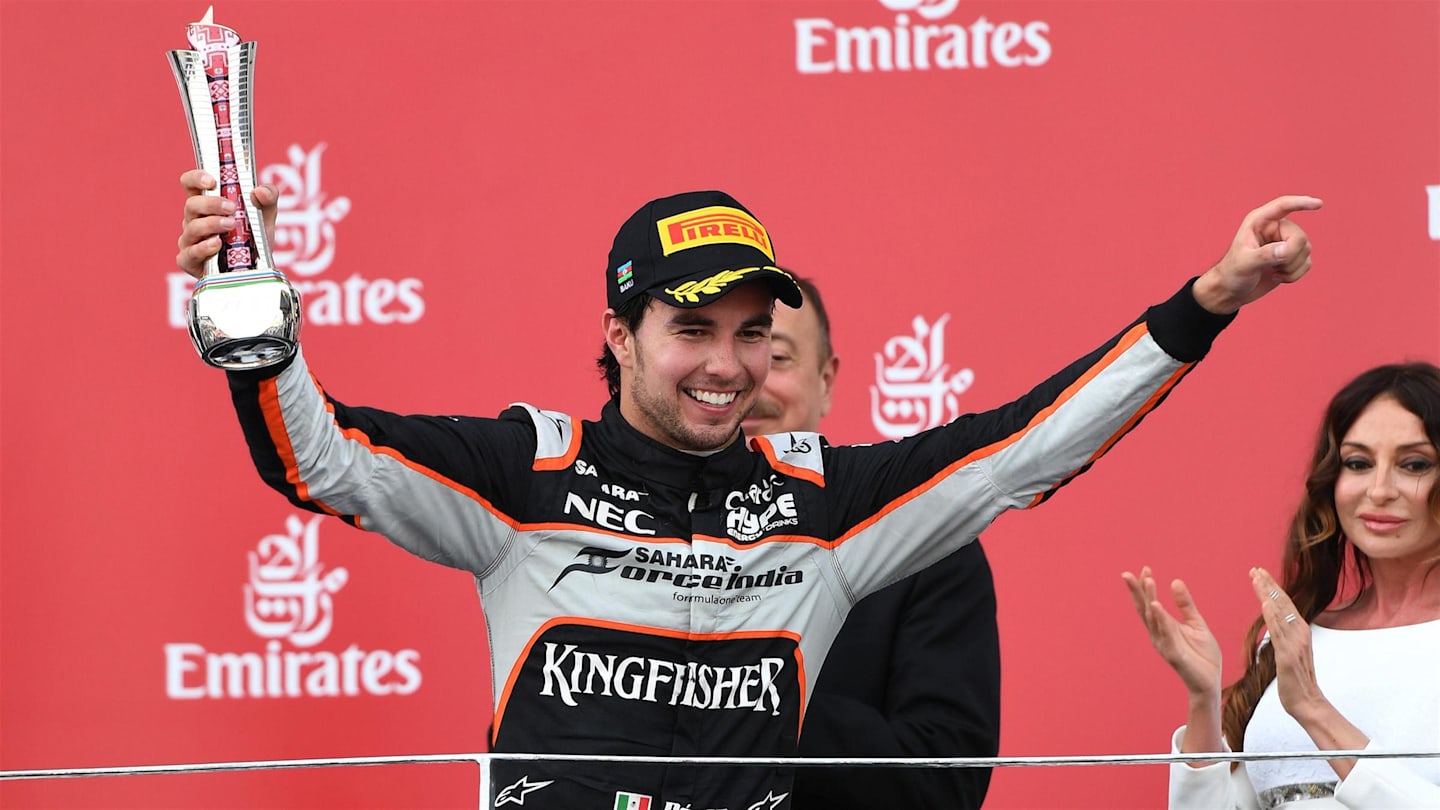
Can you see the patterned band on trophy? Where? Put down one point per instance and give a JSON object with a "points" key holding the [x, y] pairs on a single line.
{"points": [[243, 313]]}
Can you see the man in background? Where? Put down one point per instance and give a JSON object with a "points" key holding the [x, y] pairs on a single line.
{"points": [[915, 672]]}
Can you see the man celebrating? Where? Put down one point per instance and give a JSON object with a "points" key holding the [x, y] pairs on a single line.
{"points": [[652, 585], [915, 671]]}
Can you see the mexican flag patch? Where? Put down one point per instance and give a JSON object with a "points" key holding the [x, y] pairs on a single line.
{"points": [[631, 801]]}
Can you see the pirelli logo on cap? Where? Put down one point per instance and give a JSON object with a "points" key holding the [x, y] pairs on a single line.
{"points": [[716, 224]]}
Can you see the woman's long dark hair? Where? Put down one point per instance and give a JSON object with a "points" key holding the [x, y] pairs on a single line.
{"points": [[1320, 563]]}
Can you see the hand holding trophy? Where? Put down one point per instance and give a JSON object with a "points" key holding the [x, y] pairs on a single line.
{"points": [[244, 314]]}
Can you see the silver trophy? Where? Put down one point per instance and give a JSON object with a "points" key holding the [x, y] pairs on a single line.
{"points": [[243, 314]]}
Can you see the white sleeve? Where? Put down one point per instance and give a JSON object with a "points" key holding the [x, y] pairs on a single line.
{"points": [[1212, 787], [1386, 783]]}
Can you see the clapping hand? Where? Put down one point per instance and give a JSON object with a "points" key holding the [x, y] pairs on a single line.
{"points": [[1186, 644]]}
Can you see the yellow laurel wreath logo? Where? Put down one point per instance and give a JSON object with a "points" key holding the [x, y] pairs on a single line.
{"points": [[692, 290]]}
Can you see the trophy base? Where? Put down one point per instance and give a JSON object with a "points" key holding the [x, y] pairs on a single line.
{"points": [[241, 354], [245, 320]]}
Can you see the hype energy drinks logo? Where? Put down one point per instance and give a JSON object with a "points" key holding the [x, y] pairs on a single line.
{"points": [[918, 35], [306, 237], [914, 387], [290, 607]]}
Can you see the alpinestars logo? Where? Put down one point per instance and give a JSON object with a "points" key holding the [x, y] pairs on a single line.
{"points": [[289, 598], [824, 46], [305, 245], [770, 802], [515, 794]]}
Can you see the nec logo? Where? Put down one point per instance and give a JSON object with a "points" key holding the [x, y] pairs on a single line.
{"points": [[609, 516]]}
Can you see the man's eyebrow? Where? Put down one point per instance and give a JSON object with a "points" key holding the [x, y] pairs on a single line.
{"points": [[687, 317]]}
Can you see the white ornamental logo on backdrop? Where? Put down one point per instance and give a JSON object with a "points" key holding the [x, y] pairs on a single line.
{"points": [[1434, 192], [926, 41], [306, 244], [289, 597], [304, 219], [914, 389]]}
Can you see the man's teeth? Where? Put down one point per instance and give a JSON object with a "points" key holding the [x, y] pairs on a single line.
{"points": [[713, 397]]}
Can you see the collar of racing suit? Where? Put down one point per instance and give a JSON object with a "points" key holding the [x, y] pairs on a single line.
{"points": [[656, 462]]}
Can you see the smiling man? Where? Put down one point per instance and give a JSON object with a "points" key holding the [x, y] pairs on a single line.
{"points": [[687, 332], [654, 586]]}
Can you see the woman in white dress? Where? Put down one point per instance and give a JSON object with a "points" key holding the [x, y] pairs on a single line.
{"points": [[1346, 652]]}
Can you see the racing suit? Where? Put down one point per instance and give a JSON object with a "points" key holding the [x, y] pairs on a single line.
{"points": [[645, 601]]}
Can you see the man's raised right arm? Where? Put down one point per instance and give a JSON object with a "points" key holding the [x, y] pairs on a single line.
{"points": [[437, 486]]}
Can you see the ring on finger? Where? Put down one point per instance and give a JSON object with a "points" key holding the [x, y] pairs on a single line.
{"points": [[1290, 617], [1275, 596]]}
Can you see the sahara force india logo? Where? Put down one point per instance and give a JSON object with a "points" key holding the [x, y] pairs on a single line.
{"points": [[306, 239], [289, 597], [927, 43], [692, 570]]}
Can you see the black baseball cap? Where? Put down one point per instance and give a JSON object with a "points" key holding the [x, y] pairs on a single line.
{"points": [[689, 250]]}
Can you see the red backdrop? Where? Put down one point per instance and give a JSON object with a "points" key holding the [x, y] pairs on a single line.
{"points": [[453, 174]]}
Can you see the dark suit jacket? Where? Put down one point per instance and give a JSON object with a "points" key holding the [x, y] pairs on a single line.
{"points": [[915, 672]]}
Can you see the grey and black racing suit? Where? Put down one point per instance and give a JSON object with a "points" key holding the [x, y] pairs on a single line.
{"points": [[646, 601]]}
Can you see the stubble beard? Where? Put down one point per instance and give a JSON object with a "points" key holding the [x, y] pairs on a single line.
{"points": [[665, 417]]}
